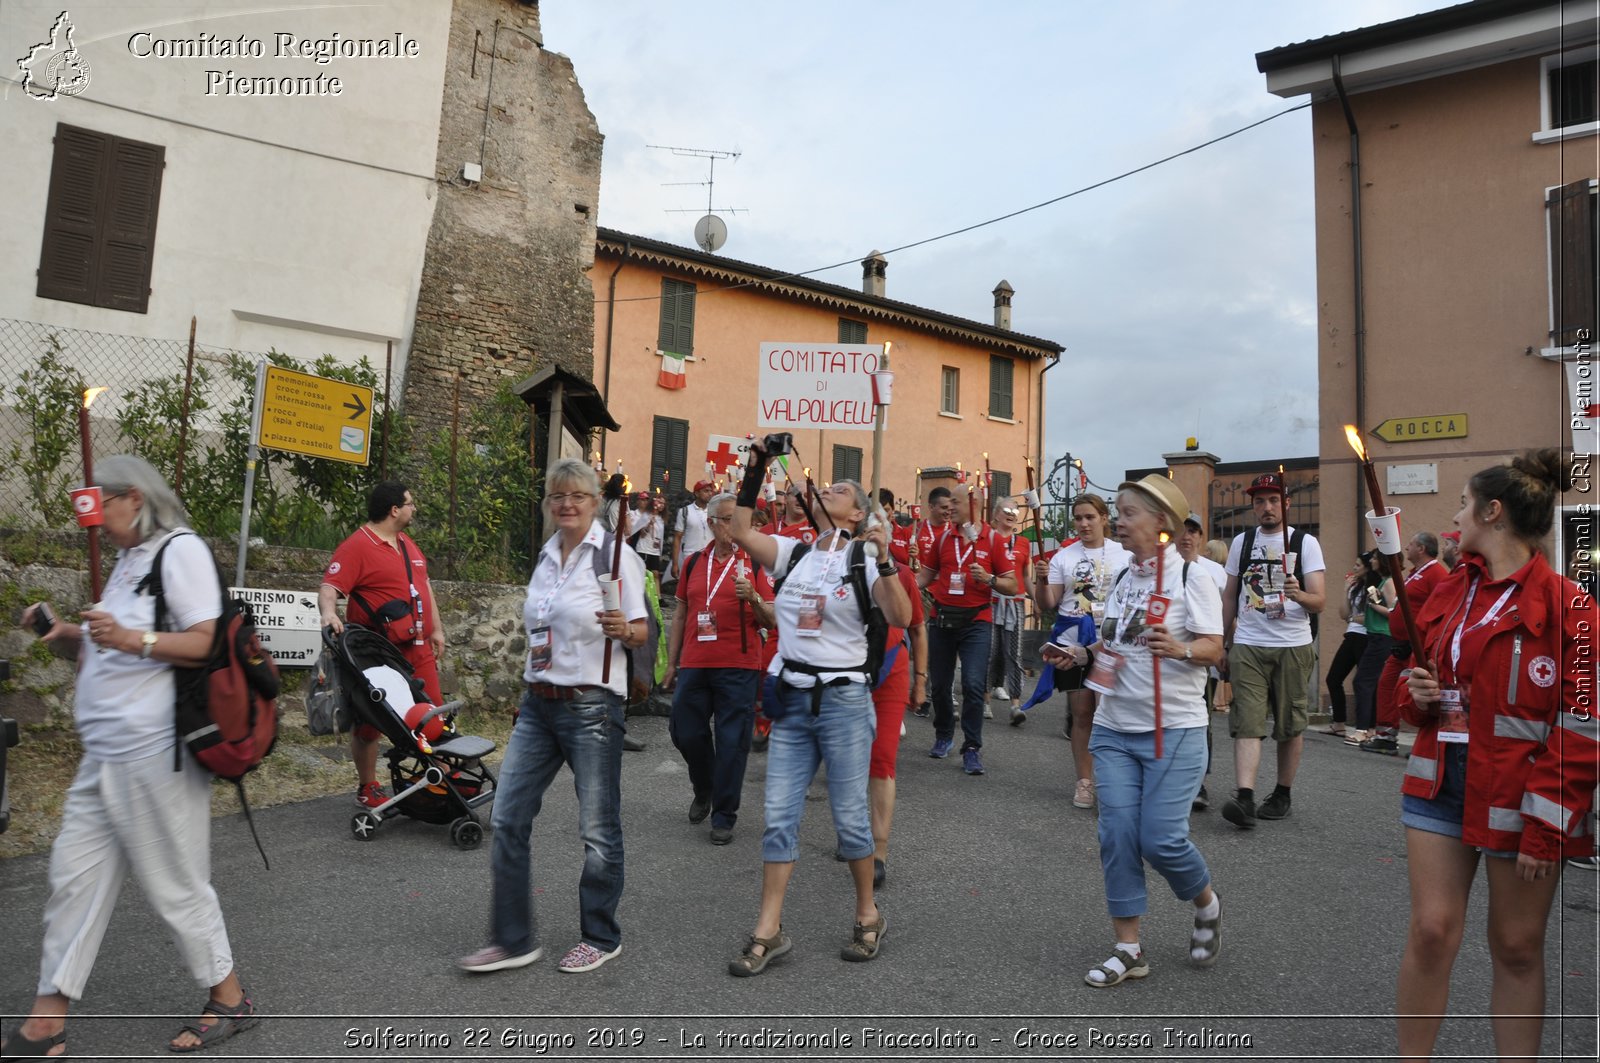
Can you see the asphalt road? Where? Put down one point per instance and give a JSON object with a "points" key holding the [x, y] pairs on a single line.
{"points": [[995, 908]]}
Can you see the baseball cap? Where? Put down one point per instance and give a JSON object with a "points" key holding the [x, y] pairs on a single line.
{"points": [[1194, 518], [1267, 481], [698, 484], [1453, 536]]}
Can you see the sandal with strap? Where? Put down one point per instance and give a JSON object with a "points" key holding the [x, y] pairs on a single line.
{"points": [[1205, 941], [860, 950], [1132, 967], [747, 964], [231, 1019], [18, 1047]]}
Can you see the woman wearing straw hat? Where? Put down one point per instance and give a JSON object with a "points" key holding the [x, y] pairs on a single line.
{"points": [[1162, 630]]}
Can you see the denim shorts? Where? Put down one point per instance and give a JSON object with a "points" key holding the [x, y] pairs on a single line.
{"points": [[1443, 813]]}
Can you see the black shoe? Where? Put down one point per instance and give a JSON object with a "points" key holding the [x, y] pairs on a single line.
{"points": [[721, 835], [1202, 800], [1276, 806], [880, 871], [632, 744], [758, 742], [923, 710], [699, 809], [1241, 812], [1381, 744]]}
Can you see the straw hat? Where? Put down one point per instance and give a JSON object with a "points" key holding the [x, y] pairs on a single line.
{"points": [[1164, 495]]}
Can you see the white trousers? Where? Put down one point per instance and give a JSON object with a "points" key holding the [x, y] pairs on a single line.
{"points": [[141, 816]]}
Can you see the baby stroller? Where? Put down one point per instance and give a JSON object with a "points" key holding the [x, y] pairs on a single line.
{"points": [[438, 775]]}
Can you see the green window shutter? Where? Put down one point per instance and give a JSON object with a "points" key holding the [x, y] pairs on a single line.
{"points": [[846, 463], [1000, 373], [676, 334], [852, 331], [669, 454], [1002, 485]]}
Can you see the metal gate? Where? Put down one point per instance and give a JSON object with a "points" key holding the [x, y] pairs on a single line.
{"points": [[1231, 513]]}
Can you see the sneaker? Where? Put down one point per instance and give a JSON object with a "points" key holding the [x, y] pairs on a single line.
{"points": [[1276, 806], [924, 710], [1083, 795], [1001, 695], [371, 795], [721, 835], [494, 958], [699, 809], [971, 762], [941, 748], [988, 713], [1018, 717], [1585, 863], [585, 957], [1240, 811], [1202, 800], [1384, 744], [902, 728]]}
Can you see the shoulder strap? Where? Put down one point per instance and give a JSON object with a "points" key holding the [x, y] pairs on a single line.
{"points": [[1186, 565], [1245, 549], [801, 549], [858, 578], [1297, 542], [601, 553], [688, 564]]}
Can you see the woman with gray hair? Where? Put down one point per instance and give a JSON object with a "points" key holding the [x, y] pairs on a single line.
{"points": [[128, 809], [571, 713]]}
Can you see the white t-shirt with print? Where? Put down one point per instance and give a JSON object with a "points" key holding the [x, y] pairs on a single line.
{"points": [[1196, 610], [822, 577], [1261, 574], [650, 530], [1086, 575], [124, 706]]}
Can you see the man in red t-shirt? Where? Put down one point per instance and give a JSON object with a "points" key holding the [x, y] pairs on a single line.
{"points": [[714, 656], [383, 573], [791, 519], [1427, 572], [963, 572]]}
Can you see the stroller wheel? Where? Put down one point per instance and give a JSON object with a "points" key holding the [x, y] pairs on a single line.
{"points": [[467, 833], [364, 825]]}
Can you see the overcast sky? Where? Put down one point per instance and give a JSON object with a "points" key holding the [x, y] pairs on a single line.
{"points": [[1185, 296]]}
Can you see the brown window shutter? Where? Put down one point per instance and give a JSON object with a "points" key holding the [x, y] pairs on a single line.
{"points": [[68, 260], [128, 245], [1572, 262]]}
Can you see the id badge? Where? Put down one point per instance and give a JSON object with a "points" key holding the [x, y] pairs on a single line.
{"points": [[1103, 676], [1272, 605], [539, 648], [705, 626], [810, 623], [1098, 611], [1155, 610], [958, 583], [1452, 716]]}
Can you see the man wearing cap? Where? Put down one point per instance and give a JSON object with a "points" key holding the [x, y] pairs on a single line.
{"points": [[1190, 540], [1267, 608], [691, 532], [647, 532]]}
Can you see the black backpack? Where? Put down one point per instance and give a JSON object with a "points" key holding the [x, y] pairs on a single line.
{"points": [[1297, 539], [872, 617]]}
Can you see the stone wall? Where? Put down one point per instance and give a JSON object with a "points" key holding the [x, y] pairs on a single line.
{"points": [[483, 622], [504, 289]]}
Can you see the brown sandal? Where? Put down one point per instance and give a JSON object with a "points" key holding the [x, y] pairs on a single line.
{"points": [[860, 950], [747, 964]]}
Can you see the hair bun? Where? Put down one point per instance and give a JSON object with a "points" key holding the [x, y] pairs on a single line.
{"points": [[1546, 467]]}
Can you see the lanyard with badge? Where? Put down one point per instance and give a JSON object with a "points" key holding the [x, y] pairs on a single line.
{"points": [[539, 645], [706, 619], [809, 624], [1453, 699], [958, 575]]}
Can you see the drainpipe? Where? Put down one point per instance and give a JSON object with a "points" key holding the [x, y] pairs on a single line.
{"points": [[1359, 279], [1039, 426], [611, 317]]}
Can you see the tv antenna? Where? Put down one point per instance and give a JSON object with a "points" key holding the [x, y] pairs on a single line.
{"points": [[710, 232]]}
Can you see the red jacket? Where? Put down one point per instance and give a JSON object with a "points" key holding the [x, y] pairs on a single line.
{"points": [[1534, 746]]}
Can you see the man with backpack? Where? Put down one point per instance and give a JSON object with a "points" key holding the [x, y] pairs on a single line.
{"points": [[1269, 608], [385, 576]]}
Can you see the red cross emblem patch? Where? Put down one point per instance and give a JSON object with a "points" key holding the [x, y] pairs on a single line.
{"points": [[1542, 670], [840, 592]]}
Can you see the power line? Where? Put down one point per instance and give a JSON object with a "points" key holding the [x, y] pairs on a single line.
{"points": [[995, 220]]}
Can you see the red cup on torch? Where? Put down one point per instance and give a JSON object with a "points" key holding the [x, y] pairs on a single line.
{"points": [[86, 503]]}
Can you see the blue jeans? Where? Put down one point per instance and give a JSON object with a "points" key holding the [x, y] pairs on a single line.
{"points": [[586, 734], [713, 711], [971, 645], [839, 736], [1144, 813]]}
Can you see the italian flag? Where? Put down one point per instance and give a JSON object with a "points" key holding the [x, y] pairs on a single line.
{"points": [[671, 371]]}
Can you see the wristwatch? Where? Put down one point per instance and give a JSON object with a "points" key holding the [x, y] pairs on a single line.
{"points": [[1188, 651], [147, 645]]}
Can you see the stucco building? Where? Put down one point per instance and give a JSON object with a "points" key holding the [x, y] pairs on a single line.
{"points": [[961, 387]]}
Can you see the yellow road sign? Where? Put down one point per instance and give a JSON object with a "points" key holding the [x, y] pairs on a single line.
{"points": [[1418, 429], [316, 416]]}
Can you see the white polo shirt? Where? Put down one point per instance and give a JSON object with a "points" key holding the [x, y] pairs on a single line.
{"points": [[695, 527], [566, 600], [125, 707]]}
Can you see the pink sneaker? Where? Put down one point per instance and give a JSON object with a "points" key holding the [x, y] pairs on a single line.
{"points": [[585, 957]]}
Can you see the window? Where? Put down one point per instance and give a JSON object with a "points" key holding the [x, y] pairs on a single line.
{"points": [[100, 220], [669, 454], [852, 331], [1570, 92], [846, 463], [1001, 488], [1574, 225], [677, 318], [950, 391], [1000, 370]]}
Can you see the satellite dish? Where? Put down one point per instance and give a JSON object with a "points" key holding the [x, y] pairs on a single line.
{"points": [[710, 233]]}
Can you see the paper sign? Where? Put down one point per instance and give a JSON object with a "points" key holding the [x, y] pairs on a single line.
{"points": [[817, 386]]}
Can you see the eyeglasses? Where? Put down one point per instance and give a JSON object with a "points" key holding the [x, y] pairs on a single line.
{"points": [[576, 498], [119, 494], [720, 520]]}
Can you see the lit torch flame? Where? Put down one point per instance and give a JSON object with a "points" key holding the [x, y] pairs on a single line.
{"points": [[1354, 436], [91, 394]]}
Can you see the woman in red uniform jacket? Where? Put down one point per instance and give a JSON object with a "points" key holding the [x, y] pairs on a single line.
{"points": [[1511, 643]]}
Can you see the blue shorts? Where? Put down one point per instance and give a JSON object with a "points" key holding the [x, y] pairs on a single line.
{"points": [[1442, 814]]}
